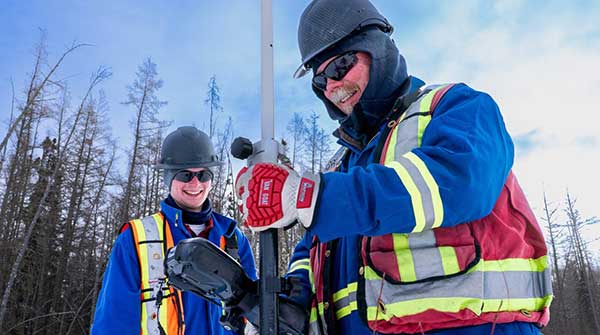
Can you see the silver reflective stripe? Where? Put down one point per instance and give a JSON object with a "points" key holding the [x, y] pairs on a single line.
{"points": [[155, 250], [313, 328], [408, 128], [323, 322], [152, 324], [476, 284], [426, 256], [154, 260], [426, 198]]}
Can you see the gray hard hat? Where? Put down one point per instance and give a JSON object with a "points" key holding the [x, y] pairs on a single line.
{"points": [[326, 22], [187, 147]]}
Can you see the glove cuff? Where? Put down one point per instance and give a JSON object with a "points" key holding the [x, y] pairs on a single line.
{"points": [[307, 198]]}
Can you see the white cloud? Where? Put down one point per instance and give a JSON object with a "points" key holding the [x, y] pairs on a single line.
{"points": [[542, 68]]}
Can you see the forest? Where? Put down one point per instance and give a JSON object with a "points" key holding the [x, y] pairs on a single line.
{"points": [[66, 188]]}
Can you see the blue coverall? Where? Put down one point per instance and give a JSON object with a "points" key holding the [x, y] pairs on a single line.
{"points": [[118, 308]]}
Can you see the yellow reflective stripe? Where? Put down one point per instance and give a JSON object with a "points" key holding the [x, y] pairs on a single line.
{"points": [[423, 122], [144, 321], [321, 308], [517, 264], [516, 304], [425, 105], [412, 307], [454, 305], [449, 260], [413, 191], [436, 199], [161, 232], [352, 287], [313, 315], [143, 255], [391, 149], [143, 249], [345, 311], [301, 264], [406, 266]]}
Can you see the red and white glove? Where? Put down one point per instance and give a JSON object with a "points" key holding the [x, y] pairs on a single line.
{"points": [[275, 196]]}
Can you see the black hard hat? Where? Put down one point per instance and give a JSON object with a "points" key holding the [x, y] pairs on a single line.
{"points": [[325, 22], [187, 147]]}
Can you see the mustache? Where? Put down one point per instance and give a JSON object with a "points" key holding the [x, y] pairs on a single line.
{"points": [[343, 91]]}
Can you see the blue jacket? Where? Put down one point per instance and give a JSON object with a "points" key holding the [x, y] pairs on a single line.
{"points": [[469, 153], [118, 307]]}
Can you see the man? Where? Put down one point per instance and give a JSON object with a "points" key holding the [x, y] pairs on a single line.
{"points": [[134, 280], [421, 228]]}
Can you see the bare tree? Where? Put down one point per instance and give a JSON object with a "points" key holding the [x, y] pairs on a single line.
{"points": [[143, 97], [556, 238], [213, 100], [584, 275], [311, 141], [40, 206], [296, 129]]}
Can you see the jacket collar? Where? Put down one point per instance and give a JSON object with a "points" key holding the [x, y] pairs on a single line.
{"points": [[221, 224], [348, 140]]}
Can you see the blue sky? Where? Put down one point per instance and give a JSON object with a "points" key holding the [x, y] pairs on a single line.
{"points": [[538, 59]]}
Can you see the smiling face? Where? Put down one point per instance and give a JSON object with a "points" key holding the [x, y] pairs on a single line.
{"points": [[346, 92], [191, 195]]}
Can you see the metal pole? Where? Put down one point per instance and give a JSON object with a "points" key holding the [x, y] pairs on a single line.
{"points": [[269, 260]]}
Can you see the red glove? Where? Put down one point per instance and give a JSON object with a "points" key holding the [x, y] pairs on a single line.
{"points": [[275, 196]]}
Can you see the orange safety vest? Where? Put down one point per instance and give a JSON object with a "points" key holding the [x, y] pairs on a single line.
{"points": [[152, 237], [490, 270]]}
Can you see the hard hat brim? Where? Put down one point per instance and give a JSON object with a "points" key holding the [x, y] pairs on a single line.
{"points": [[301, 71]]}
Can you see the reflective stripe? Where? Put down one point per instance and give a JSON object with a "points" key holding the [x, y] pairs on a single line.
{"points": [[426, 257], [404, 258], [449, 260], [517, 264], [425, 105], [301, 264], [344, 300], [420, 190], [139, 235], [403, 144], [414, 174], [313, 327], [451, 305], [149, 236], [434, 191], [481, 290], [314, 319], [413, 191]]}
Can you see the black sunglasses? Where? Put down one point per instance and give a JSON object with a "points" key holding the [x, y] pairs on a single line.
{"points": [[186, 176], [336, 69]]}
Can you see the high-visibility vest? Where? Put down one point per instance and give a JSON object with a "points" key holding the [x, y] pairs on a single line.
{"points": [[489, 270], [152, 237]]}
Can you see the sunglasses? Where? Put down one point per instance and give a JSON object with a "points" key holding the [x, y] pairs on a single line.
{"points": [[186, 176], [336, 69]]}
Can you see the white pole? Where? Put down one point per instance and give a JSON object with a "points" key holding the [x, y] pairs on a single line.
{"points": [[269, 259], [266, 71]]}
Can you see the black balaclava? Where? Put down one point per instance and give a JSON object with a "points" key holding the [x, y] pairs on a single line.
{"points": [[387, 82]]}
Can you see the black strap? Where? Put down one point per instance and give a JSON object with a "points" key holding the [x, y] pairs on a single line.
{"points": [[231, 246]]}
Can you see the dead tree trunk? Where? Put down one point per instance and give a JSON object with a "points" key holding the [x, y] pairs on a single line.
{"points": [[96, 79]]}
